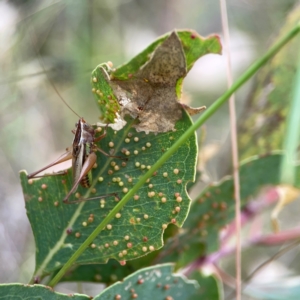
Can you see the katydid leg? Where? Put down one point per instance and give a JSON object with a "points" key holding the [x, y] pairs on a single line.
{"points": [[66, 156], [87, 166], [108, 155], [99, 138], [88, 199]]}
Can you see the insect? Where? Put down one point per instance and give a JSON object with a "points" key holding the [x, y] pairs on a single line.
{"points": [[82, 152], [83, 155]]}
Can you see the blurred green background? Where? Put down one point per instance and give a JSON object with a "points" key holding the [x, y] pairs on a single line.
{"points": [[74, 36]]}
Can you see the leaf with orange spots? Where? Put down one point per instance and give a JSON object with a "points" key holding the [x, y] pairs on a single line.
{"points": [[157, 282], [112, 271], [214, 208], [59, 229], [149, 86]]}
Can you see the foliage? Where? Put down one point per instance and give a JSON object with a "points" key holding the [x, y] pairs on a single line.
{"points": [[137, 229], [268, 104], [59, 229], [130, 247]]}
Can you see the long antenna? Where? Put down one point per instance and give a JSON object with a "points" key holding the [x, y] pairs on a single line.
{"points": [[48, 77]]}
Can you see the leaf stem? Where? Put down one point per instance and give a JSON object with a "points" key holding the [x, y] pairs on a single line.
{"points": [[200, 121]]}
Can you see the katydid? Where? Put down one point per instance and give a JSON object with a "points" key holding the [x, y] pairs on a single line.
{"points": [[82, 152], [83, 158]]}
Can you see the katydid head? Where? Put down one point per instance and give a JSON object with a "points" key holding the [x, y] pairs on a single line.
{"points": [[87, 132]]}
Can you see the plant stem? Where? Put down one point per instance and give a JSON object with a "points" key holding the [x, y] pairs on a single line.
{"points": [[288, 166], [235, 155], [200, 121]]}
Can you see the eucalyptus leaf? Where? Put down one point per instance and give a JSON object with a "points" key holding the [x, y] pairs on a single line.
{"points": [[214, 208], [156, 282], [20, 291], [59, 229]]}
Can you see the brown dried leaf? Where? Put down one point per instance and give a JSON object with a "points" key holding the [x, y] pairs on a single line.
{"points": [[150, 96]]}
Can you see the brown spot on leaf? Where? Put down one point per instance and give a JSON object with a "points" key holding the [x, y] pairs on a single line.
{"points": [[132, 221]]}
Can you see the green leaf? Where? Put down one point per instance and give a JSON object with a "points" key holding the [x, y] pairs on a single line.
{"points": [[25, 291], [210, 287], [112, 271], [106, 99], [263, 124], [155, 282], [59, 229], [214, 208]]}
